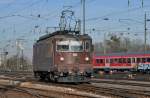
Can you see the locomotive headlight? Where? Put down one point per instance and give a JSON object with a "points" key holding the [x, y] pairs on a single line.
{"points": [[61, 58], [81, 73], [87, 58], [70, 72]]}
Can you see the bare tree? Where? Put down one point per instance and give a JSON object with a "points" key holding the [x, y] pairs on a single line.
{"points": [[24, 64], [117, 44]]}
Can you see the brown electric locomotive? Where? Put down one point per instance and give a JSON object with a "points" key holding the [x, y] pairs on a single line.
{"points": [[63, 56]]}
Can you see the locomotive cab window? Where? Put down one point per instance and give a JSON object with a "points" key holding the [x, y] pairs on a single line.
{"points": [[76, 46], [63, 47], [69, 46]]}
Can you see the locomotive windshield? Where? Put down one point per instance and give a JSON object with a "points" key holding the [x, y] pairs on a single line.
{"points": [[70, 45], [63, 47], [76, 46]]}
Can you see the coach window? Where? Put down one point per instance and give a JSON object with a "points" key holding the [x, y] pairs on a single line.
{"points": [[120, 60], [76, 48], [138, 60], [97, 60], [115, 60], [111, 60], [148, 59], [143, 60], [129, 60], [133, 60], [124, 60], [102, 60], [107, 60]]}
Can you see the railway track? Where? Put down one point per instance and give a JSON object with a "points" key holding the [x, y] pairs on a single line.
{"points": [[130, 88], [22, 92], [43, 90], [122, 82], [125, 89], [98, 90], [110, 91], [18, 76], [110, 88]]}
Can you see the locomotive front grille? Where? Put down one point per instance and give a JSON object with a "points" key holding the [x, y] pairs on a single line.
{"points": [[75, 68]]}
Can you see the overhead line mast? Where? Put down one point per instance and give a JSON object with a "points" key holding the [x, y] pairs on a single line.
{"points": [[145, 33], [83, 15]]}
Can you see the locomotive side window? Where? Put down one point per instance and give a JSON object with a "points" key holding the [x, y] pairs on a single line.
{"points": [[87, 45]]}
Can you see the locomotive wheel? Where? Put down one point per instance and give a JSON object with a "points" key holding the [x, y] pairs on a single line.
{"points": [[55, 79], [42, 77], [52, 78]]}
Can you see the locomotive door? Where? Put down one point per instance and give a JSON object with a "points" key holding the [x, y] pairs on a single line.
{"points": [[53, 50]]}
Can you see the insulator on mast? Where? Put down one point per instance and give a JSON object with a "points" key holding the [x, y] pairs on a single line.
{"points": [[128, 3], [142, 3]]}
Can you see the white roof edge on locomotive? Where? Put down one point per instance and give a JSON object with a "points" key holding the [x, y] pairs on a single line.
{"points": [[69, 42]]}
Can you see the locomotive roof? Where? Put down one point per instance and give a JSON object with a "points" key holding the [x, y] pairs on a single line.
{"points": [[65, 33], [122, 54]]}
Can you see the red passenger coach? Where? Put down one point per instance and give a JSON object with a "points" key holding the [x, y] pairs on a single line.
{"points": [[119, 61]]}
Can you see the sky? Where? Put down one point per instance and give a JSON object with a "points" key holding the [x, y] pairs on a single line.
{"points": [[19, 19]]}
